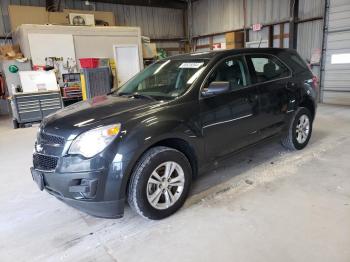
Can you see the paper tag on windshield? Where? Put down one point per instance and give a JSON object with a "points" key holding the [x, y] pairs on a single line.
{"points": [[191, 65]]}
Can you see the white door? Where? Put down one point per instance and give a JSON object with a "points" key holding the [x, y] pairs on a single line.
{"points": [[127, 61]]}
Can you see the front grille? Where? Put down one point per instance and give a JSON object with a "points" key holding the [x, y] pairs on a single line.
{"points": [[50, 139], [43, 162]]}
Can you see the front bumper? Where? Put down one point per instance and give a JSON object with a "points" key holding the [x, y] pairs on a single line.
{"points": [[86, 191], [103, 209]]}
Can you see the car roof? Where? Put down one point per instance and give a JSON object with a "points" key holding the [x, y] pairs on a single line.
{"points": [[220, 53]]}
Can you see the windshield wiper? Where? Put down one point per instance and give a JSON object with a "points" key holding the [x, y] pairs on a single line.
{"points": [[124, 94], [137, 95]]}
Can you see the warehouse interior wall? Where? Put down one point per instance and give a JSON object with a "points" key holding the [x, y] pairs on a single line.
{"points": [[208, 17], [155, 22], [310, 40], [210, 20], [310, 33], [214, 17]]}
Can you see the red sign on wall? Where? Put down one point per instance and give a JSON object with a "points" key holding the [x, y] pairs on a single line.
{"points": [[257, 27], [217, 46]]}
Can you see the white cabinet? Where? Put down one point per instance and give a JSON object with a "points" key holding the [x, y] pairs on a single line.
{"points": [[40, 41]]}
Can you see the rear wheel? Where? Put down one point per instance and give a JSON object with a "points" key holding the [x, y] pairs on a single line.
{"points": [[160, 183], [299, 131]]}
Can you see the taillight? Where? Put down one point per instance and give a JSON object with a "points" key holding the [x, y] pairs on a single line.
{"points": [[315, 83]]}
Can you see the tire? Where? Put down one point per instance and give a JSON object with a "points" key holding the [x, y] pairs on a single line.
{"points": [[142, 189], [292, 139]]}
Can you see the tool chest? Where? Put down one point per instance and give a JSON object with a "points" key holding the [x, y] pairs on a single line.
{"points": [[33, 107]]}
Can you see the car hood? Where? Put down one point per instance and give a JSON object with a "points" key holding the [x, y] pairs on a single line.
{"points": [[88, 114]]}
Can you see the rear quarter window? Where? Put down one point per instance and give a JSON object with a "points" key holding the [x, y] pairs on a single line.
{"points": [[267, 68], [295, 62], [299, 63]]}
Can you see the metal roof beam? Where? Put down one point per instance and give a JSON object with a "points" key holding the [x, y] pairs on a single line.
{"points": [[174, 4]]}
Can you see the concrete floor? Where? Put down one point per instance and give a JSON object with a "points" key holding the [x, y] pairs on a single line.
{"points": [[264, 204]]}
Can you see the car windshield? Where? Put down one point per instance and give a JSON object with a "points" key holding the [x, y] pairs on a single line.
{"points": [[166, 79]]}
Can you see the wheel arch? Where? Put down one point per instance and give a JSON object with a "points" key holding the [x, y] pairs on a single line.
{"points": [[174, 142], [310, 105], [184, 147]]}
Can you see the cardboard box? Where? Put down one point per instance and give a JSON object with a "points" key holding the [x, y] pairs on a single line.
{"points": [[9, 52], [234, 40], [149, 50], [20, 14], [58, 18]]}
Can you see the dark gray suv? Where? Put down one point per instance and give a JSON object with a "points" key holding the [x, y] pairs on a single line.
{"points": [[145, 142]]}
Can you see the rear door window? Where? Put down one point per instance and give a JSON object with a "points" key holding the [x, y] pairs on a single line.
{"points": [[267, 68]]}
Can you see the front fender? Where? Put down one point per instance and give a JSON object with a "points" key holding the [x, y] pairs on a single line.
{"points": [[145, 135]]}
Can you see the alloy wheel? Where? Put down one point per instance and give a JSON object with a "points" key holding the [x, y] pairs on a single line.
{"points": [[165, 185], [302, 129]]}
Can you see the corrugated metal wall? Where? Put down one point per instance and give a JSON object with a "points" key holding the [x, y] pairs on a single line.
{"points": [[309, 37], [213, 16], [267, 11], [311, 8], [259, 35], [154, 22]]}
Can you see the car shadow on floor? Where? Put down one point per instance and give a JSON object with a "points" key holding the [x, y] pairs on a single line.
{"points": [[238, 163], [221, 172], [232, 166]]}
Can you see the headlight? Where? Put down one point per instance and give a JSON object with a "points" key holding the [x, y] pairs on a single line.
{"points": [[94, 141]]}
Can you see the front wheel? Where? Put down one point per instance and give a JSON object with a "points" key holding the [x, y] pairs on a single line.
{"points": [[299, 131], [160, 183]]}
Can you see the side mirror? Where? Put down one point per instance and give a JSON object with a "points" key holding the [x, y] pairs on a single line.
{"points": [[216, 88]]}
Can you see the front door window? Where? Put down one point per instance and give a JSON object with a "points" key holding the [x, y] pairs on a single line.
{"points": [[232, 70]]}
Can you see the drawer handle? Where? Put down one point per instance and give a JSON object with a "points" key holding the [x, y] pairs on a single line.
{"points": [[45, 109], [28, 111]]}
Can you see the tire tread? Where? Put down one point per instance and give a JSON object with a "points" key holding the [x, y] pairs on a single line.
{"points": [[287, 139], [137, 174]]}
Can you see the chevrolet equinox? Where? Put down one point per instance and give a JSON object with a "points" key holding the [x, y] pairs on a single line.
{"points": [[145, 142]]}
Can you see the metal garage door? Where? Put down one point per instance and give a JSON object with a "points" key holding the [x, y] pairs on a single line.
{"points": [[336, 81]]}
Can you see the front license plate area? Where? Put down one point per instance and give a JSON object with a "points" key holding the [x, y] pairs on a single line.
{"points": [[38, 178]]}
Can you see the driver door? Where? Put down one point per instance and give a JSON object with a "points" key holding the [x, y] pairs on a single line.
{"points": [[228, 119]]}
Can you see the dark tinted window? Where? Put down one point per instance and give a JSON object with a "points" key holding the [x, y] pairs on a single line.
{"points": [[232, 70], [268, 68], [297, 63]]}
